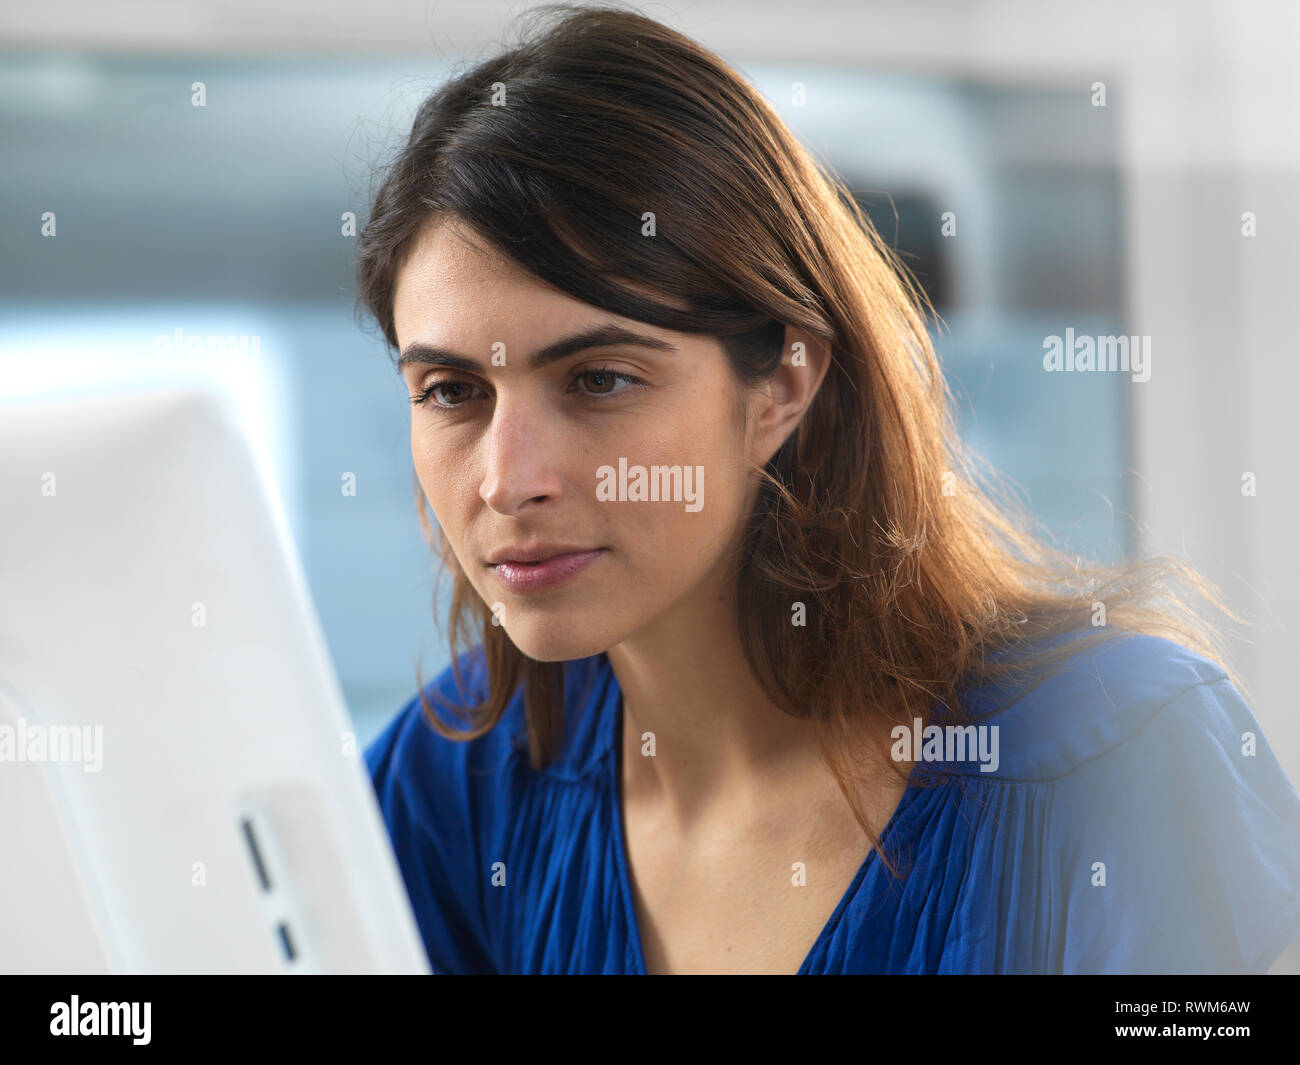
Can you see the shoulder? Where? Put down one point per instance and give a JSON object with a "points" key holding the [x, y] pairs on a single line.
{"points": [[409, 752], [1157, 828], [409, 745], [440, 800], [453, 808], [1085, 705]]}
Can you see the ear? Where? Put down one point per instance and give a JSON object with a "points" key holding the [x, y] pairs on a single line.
{"points": [[780, 404]]}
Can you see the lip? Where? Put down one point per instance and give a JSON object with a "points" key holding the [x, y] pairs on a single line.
{"points": [[537, 551], [531, 570]]}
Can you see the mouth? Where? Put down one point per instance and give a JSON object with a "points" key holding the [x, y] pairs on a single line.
{"points": [[546, 568]]}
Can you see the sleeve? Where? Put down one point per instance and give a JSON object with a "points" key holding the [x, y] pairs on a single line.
{"points": [[420, 781], [1179, 849]]}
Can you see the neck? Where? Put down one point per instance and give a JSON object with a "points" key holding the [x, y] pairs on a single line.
{"points": [[717, 738]]}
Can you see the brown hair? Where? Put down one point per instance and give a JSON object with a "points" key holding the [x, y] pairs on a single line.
{"points": [[915, 567]]}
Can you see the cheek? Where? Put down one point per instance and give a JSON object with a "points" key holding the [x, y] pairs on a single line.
{"points": [[443, 475], [673, 543]]}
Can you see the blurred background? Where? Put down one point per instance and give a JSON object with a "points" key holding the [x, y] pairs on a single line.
{"points": [[1116, 168]]}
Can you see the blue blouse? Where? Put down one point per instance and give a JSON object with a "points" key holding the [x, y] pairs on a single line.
{"points": [[1136, 821]]}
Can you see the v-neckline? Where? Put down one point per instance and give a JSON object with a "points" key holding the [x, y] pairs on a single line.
{"points": [[615, 768]]}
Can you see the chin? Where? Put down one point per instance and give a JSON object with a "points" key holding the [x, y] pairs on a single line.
{"points": [[557, 641]]}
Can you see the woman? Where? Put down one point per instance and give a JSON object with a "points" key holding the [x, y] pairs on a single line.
{"points": [[761, 676]]}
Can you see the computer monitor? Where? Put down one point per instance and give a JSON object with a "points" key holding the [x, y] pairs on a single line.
{"points": [[180, 786]]}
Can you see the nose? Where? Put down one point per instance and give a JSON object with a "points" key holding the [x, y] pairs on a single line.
{"points": [[520, 468]]}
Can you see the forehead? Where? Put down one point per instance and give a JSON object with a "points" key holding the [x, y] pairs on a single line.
{"points": [[445, 247], [454, 284]]}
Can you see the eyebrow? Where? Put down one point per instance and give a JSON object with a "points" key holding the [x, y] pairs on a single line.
{"points": [[601, 336]]}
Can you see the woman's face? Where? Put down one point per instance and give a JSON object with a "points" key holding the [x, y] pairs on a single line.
{"points": [[622, 462]]}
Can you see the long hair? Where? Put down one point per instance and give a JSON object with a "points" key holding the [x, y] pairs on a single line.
{"points": [[920, 577]]}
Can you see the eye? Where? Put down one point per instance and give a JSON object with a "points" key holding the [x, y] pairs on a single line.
{"points": [[598, 381], [445, 393], [603, 381]]}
